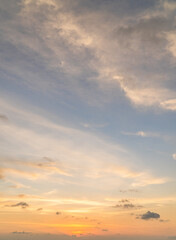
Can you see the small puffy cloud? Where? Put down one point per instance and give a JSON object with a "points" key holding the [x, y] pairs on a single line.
{"points": [[20, 204], [141, 133], [124, 201], [174, 156], [58, 213], [149, 215], [127, 206]]}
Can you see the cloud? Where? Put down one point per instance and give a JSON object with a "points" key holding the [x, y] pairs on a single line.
{"points": [[45, 166], [164, 221], [104, 230], [72, 47], [16, 232], [142, 134], [147, 96], [127, 206], [95, 151], [140, 178], [174, 156], [169, 5], [15, 166], [3, 118], [129, 190], [147, 30], [20, 204], [149, 215], [124, 201], [39, 209], [93, 126], [169, 104], [18, 172], [58, 213], [16, 184], [22, 195]]}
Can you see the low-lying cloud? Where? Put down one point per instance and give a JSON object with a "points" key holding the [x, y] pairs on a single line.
{"points": [[20, 204], [149, 215], [16, 232]]}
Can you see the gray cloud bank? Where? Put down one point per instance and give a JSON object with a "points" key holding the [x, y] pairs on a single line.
{"points": [[90, 46], [31, 236]]}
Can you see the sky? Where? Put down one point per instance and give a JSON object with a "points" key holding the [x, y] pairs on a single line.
{"points": [[87, 119]]}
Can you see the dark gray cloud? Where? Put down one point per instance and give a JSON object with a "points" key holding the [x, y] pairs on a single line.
{"points": [[58, 213], [149, 215], [16, 232], [20, 204], [90, 236]]}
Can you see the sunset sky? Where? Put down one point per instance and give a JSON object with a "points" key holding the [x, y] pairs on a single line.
{"points": [[87, 119]]}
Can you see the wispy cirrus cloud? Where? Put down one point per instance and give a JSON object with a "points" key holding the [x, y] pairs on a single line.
{"points": [[20, 204], [40, 145], [142, 134]]}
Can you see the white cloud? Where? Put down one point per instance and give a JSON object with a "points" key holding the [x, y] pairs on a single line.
{"points": [[142, 134], [153, 96], [169, 104]]}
